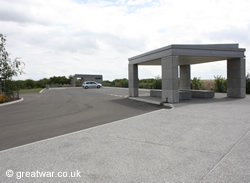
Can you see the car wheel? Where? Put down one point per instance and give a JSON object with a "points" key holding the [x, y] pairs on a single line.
{"points": [[86, 87], [98, 86]]}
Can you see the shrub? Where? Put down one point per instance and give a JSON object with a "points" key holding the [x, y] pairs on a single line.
{"points": [[20, 84], [41, 83], [156, 84], [120, 83], [248, 83], [196, 83], [4, 99], [145, 83], [29, 83], [124, 83], [107, 83], [11, 89], [220, 84], [1, 98]]}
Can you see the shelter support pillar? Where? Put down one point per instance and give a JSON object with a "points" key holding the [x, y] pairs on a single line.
{"points": [[133, 80], [82, 80], [236, 77], [73, 81], [170, 91], [185, 77]]}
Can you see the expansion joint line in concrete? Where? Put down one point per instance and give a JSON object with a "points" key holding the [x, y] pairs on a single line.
{"points": [[230, 150], [163, 145]]}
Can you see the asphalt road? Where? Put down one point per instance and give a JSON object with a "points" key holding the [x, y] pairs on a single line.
{"points": [[59, 111]]}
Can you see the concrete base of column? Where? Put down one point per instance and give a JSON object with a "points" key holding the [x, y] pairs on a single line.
{"points": [[133, 92], [170, 96]]}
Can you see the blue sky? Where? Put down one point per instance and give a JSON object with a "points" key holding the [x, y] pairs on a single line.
{"points": [[65, 37]]}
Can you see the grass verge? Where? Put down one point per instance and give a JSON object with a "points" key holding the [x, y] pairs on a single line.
{"points": [[34, 90]]}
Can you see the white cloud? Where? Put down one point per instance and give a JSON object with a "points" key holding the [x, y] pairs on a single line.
{"points": [[63, 37]]}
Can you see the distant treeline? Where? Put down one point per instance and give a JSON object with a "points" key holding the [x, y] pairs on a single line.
{"points": [[55, 80], [219, 84], [143, 83]]}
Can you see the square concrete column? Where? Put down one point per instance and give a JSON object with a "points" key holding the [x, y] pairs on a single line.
{"points": [[236, 78], [185, 77], [133, 80], [170, 91], [82, 80]]}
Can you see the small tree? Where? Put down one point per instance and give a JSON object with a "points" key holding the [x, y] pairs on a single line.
{"points": [[8, 69], [220, 84], [196, 83], [156, 84], [11, 89]]}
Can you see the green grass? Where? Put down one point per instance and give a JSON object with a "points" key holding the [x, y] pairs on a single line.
{"points": [[34, 90]]}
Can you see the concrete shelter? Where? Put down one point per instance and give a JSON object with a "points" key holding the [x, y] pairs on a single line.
{"points": [[173, 56], [86, 77]]}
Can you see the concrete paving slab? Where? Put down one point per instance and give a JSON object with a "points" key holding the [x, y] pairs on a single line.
{"points": [[183, 129], [106, 159], [235, 166]]}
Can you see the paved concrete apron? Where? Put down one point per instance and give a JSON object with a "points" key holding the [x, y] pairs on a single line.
{"points": [[195, 142]]}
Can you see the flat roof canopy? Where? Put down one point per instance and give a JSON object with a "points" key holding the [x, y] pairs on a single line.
{"points": [[86, 75], [190, 54]]}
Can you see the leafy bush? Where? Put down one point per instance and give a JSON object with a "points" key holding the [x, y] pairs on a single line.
{"points": [[107, 83], [145, 83], [5, 98], [248, 83], [156, 84], [220, 84], [41, 83], [20, 84], [58, 80], [29, 83], [11, 90], [123, 83], [150, 83], [196, 83], [116, 83], [1, 98], [120, 83]]}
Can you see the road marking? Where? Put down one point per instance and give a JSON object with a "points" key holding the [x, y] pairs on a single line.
{"points": [[57, 88], [120, 96], [41, 90]]}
